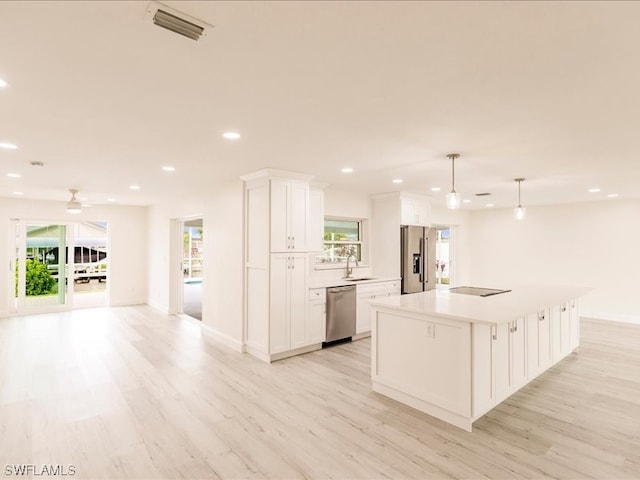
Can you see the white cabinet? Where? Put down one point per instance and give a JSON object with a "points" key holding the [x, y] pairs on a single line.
{"points": [[276, 270], [415, 211], [499, 362], [565, 329], [538, 343], [365, 293], [316, 316], [315, 238], [289, 214], [287, 302], [574, 324], [484, 398]]}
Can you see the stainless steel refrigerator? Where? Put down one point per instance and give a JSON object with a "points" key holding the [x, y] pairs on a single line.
{"points": [[418, 256]]}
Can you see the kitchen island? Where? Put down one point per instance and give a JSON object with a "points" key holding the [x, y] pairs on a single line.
{"points": [[456, 356]]}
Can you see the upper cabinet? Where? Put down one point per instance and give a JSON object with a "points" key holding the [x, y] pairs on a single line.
{"points": [[414, 211], [315, 239], [289, 215]]}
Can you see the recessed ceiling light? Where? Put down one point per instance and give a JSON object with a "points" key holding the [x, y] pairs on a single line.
{"points": [[134, 187], [3, 83], [397, 180], [347, 170], [466, 201], [594, 190], [168, 168], [14, 175], [111, 199], [489, 205], [18, 193], [231, 135], [8, 146], [612, 195], [435, 189]]}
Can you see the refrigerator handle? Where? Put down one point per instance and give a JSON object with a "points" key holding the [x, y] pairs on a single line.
{"points": [[424, 272]]}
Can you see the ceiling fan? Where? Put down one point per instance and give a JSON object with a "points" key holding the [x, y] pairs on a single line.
{"points": [[74, 206]]}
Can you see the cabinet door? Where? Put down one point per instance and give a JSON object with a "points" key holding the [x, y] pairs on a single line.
{"points": [[316, 318], [315, 237], [502, 362], [298, 215], [533, 350], [279, 304], [544, 340], [363, 313], [518, 354], [298, 300], [279, 213], [565, 330], [407, 212], [574, 324], [483, 387], [554, 321]]}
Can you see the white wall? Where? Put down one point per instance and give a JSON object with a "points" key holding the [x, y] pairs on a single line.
{"points": [[343, 203], [591, 244], [222, 297], [127, 230]]}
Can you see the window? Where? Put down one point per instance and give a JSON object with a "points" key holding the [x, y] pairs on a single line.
{"points": [[341, 239]]}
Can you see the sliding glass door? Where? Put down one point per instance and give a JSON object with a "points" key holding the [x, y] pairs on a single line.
{"points": [[59, 266], [40, 266]]}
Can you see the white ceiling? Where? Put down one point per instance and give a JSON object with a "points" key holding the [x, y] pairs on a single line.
{"points": [[544, 90]]}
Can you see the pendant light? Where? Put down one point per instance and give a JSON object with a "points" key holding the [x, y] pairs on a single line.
{"points": [[519, 212], [453, 198], [74, 206]]}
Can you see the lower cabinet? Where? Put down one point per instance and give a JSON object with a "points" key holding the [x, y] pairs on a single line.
{"points": [[538, 343], [287, 302], [565, 329], [500, 362], [507, 356], [370, 291], [316, 316]]}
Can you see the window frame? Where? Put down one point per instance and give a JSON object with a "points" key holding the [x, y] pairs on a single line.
{"points": [[360, 242]]}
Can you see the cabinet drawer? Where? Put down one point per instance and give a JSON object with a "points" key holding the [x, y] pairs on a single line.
{"points": [[318, 294]]}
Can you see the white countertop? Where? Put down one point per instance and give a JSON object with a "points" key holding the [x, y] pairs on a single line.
{"points": [[494, 309], [339, 282]]}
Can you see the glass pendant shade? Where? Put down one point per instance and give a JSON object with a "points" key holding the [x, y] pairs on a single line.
{"points": [[519, 212], [453, 200]]}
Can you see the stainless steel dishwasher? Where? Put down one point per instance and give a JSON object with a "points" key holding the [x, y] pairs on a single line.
{"points": [[341, 313]]}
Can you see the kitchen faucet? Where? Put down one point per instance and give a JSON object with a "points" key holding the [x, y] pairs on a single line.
{"points": [[350, 269]]}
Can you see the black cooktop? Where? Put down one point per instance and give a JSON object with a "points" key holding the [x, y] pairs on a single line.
{"points": [[478, 292]]}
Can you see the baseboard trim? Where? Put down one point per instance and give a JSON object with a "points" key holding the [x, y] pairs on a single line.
{"points": [[610, 317], [223, 338], [159, 307], [130, 303]]}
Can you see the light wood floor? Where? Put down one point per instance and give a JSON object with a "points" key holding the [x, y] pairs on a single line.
{"points": [[130, 393]]}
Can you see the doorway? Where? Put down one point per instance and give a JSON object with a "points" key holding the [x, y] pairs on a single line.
{"points": [[443, 257], [192, 262], [59, 266]]}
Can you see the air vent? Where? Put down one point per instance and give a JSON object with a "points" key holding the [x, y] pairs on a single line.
{"points": [[484, 194], [178, 25], [36, 164]]}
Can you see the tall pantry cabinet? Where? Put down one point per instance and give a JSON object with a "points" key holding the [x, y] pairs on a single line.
{"points": [[280, 225]]}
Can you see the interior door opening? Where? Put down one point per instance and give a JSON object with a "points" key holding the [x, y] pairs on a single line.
{"points": [[443, 258], [192, 260]]}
